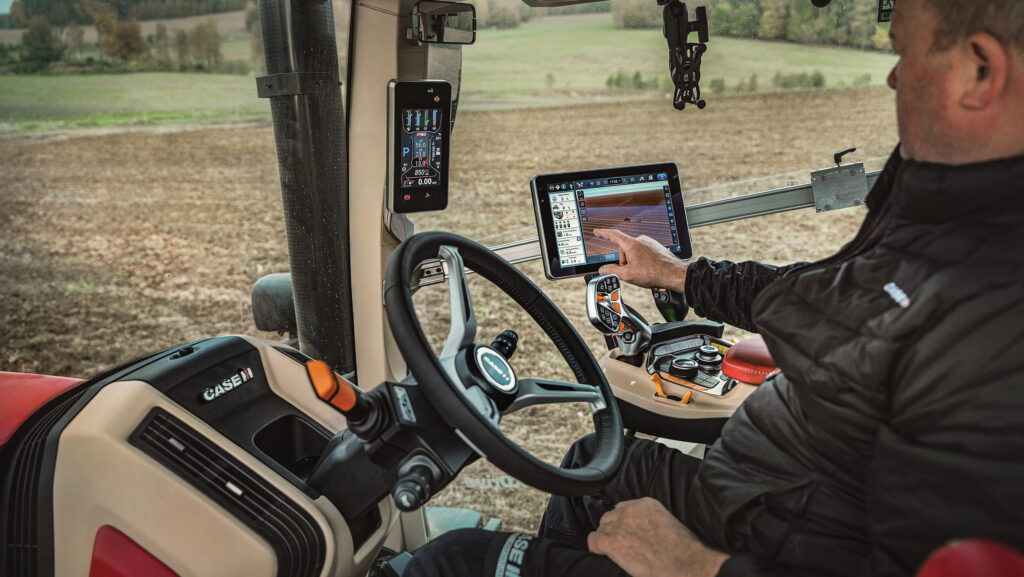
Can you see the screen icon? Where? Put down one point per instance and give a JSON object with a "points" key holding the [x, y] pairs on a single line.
{"points": [[662, 176]]}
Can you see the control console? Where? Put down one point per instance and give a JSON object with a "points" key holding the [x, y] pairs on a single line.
{"points": [[678, 360], [613, 318], [690, 364]]}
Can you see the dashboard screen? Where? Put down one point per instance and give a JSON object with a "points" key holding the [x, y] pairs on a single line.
{"points": [[422, 147], [419, 126], [641, 200]]}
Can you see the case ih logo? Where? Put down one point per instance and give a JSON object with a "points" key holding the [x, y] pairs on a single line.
{"points": [[244, 375]]}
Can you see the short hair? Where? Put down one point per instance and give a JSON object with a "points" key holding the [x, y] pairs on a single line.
{"points": [[958, 19]]}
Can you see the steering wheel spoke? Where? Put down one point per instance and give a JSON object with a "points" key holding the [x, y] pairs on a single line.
{"points": [[543, 391], [463, 324], [483, 404]]}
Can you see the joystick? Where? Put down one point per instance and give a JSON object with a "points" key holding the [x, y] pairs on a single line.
{"points": [[612, 317]]}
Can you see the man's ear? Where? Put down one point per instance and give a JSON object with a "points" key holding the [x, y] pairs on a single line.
{"points": [[986, 63]]}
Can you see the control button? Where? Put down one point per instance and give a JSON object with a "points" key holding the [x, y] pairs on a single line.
{"points": [[601, 297], [709, 358], [615, 296], [622, 327], [617, 307], [683, 368]]}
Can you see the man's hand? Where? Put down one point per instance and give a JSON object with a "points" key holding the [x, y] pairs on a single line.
{"points": [[644, 262], [645, 540]]}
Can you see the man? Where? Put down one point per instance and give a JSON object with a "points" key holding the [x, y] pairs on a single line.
{"points": [[897, 423]]}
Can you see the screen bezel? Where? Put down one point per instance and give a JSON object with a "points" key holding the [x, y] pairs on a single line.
{"points": [[553, 269], [409, 94]]}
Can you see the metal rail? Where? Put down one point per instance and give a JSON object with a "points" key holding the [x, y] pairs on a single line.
{"points": [[698, 215]]}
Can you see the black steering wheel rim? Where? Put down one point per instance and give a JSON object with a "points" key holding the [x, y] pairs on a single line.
{"points": [[486, 438]]}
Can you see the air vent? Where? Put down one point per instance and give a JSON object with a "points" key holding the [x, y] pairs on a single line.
{"points": [[20, 496], [290, 530]]}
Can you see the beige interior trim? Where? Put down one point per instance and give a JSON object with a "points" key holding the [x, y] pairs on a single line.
{"points": [[373, 63], [100, 479], [289, 380], [634, 385]]}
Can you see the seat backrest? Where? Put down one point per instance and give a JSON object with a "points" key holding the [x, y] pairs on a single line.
{"points": [[273, 307], [974, 558]]}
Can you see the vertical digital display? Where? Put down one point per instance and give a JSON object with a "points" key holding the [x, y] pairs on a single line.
{"points": [[422, 147], [419, 128]]}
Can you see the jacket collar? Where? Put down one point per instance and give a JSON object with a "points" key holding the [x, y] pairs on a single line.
{"points": [[926, 192]]}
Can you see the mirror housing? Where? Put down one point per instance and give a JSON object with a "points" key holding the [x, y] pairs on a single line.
{"points": [[437, 22]]}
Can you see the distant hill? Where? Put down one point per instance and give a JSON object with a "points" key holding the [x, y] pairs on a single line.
{"points": [[229, 24]]}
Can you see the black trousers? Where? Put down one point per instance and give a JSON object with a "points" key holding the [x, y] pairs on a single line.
{"points": [[560, 550]]}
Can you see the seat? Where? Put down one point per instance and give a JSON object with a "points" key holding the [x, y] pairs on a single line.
{"points": [[973, 558], [748, 361], [22, 394], [273, 307]]}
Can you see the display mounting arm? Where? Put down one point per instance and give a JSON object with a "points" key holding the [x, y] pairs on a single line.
{"points": [[684, 57]]}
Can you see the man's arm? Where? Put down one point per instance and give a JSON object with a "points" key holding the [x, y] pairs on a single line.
{"points": [[720, 291], [645, 540], [724, 291]]}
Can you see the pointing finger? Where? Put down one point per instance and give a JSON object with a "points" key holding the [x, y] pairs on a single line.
{"points": [[611, 269], [613, 235]]}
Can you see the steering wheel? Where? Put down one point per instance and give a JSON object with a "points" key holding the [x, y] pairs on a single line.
{"points": [[473, 386]]}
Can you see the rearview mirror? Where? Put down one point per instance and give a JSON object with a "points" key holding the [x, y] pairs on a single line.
{"points": [[443, 22]]}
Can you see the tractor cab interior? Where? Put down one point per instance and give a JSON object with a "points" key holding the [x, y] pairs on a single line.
{"points": [[433, 309]]}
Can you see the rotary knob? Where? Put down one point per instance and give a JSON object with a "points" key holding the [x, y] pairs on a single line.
{"points": [[683, 368], [709, 358]]}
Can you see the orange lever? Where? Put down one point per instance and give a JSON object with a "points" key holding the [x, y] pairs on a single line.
{"points": [[331, 389], [657, 385]]}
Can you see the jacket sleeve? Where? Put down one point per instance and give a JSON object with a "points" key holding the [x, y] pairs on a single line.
{"points": [[724, 291], [745, 565]]}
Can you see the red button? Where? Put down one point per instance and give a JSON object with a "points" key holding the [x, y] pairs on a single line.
{"points": [[407, 197]]}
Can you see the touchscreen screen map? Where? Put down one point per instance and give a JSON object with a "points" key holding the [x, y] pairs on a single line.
{"points": [[422, 143], [636, 205]]}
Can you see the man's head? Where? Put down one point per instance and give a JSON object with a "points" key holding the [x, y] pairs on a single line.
{"points": [[960, 79]]}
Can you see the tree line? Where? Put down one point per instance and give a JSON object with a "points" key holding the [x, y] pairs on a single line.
{"points": [[118, 40], [843, 22], [66, 12]]}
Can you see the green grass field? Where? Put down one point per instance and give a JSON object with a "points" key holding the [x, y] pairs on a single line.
{"points": [[580, 53], [43, 102], [505, 68]]}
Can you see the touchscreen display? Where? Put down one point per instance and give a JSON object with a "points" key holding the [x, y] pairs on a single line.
{"points": [[421, 147], [636, 204]]}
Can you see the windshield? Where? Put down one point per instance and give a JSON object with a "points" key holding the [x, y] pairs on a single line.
{"points": [[787, 85]]}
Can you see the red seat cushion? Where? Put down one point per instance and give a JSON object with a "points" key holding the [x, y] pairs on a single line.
{"points": [[973, 558], [748, 361], [21, 394]]}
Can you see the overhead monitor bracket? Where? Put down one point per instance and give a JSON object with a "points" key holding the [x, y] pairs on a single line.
{"points": [[684, 57]]}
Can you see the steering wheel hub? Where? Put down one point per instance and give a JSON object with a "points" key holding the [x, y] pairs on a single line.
{"points": [[495, 370]]}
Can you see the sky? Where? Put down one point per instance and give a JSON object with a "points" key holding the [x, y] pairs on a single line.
{"points": [[5, 6]]}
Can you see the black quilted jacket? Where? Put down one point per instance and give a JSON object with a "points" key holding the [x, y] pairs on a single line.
{"points": [[897, 423]]}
